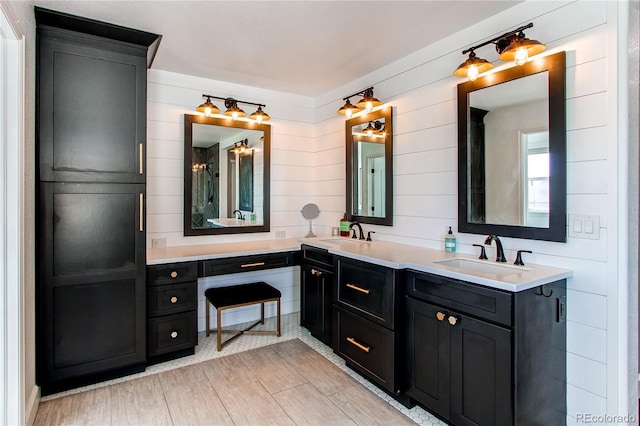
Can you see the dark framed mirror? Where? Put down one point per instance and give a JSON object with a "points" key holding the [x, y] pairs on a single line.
{"points": [[512, 152], [369, 142], [226, 176]]}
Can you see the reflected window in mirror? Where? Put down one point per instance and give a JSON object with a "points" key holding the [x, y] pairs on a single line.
{"points": [[369, 141], [226, 178], [512, 152]]}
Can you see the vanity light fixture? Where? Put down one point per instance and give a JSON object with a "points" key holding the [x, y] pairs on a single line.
{"points": [[240, 146], [233, 110], [367, 103], [511, 46]]}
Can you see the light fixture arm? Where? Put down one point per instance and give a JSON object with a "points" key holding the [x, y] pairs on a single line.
{"points": [[517, 32], [362, 92], [228, 101]]}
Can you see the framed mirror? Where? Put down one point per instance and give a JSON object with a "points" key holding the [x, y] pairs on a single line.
{"points": [[369, 141], [512, 152], [226, 176]]}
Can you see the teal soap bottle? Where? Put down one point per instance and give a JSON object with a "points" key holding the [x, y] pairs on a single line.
{"points": [[450, 241]]}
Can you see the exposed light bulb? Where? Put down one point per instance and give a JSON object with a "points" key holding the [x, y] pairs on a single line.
{"points": [[368, 106], [234, 115], [207, 112], [522, 56], [259, 119], [472, 72], [348, 113], [369, 133]]}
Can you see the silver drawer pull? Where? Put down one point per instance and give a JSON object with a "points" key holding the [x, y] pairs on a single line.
{"points": [[174, 299], [174, 334], [174, 274], [358, 345], [249, 265], [360, 289], [453, 320]]}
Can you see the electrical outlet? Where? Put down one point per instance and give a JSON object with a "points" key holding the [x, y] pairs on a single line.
{"points": [[281, 234], [158, 242]]}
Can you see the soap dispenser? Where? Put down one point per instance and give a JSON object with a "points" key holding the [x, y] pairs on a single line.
{"points": [[450, 241]]}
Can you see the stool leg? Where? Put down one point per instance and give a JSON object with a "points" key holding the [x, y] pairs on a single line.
{"points": [[262, 313], [219, 321], [206, 308], [278, 315]]}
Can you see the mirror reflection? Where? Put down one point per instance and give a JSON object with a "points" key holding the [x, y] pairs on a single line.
{"points": [[509, 147], [369, 174], [225, 174]]}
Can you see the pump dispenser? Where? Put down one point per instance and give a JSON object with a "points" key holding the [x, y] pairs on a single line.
{"points": [[344, 226], [450, 241]]}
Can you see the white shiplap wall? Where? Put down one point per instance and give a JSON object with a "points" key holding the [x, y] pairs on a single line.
{"points": [[308, 166]]}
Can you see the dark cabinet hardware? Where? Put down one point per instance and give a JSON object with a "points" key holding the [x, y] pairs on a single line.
{"points": [[483, 252], [519, 257]]}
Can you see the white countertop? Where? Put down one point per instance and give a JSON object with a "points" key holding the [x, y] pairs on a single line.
{"points": [[157, 256], [403, 256], [393, 255]]}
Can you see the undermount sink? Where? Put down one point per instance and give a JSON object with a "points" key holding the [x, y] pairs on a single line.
{"points": [[484, 266]]}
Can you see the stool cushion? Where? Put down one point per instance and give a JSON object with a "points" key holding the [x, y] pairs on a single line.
{"points": [[240, 294]]}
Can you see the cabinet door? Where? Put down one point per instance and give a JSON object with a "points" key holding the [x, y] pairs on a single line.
{"points": [[92, 110], [91, 279], [427, 351], [480, 372], [316, 305]]}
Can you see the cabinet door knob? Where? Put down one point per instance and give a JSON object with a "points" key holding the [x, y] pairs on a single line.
{"points": [[174, 274], [174, 299], [453, 320], [440, 316], [174, 334]]}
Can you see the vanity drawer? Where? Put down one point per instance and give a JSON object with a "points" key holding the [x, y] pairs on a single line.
{"points": [[467, 298], [171, 298], [172, 273], [367, 347], [233, 265], [368, 289], [171, 333], [317, 256]]}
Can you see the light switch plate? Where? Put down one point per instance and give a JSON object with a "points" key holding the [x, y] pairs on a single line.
{"points": [[158, 242], [584, 226]]}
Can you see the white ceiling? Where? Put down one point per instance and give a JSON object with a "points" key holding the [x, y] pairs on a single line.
{"points": [[301, 47]]}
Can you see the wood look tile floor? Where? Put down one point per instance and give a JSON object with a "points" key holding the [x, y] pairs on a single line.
{"points": [[255, 380]]}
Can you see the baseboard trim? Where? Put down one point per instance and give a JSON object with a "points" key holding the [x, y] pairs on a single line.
{"points": [[31, 406]]}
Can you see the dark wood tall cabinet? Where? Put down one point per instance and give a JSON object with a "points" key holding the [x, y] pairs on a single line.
{"points": [[90, 144]]}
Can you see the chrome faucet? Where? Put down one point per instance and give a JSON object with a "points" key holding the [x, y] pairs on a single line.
{"points": [[499, 251], [356, 224], [238, 214]]}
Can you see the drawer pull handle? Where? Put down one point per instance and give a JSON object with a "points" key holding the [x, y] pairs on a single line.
{"points": [[360, 289], [440, 316], [249, 265], [453, 320], [141, 212], [174, 274], [174, 334], [174, 299], [316, 273], [358, 345]]}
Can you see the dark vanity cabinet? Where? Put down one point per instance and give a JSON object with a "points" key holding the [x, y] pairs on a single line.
{"points": [[481, 356], [317, 293], [365, 320], [90, 242], [172, 301]]}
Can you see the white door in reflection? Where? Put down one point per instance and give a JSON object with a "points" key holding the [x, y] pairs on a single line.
{"points": [[535, 147]]}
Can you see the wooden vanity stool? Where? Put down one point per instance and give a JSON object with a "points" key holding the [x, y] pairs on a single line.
{"points": [[235, 296]]}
